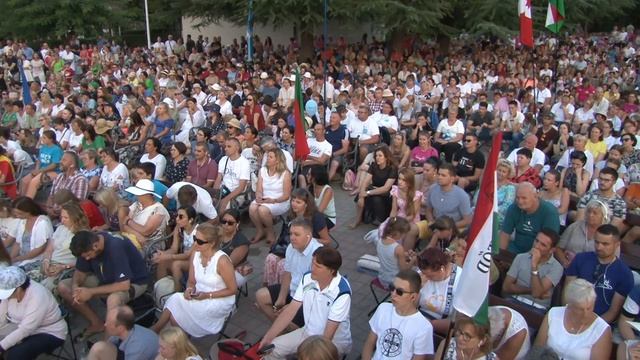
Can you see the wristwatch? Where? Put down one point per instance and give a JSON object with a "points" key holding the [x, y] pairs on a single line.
{"points": [[534, 272]]}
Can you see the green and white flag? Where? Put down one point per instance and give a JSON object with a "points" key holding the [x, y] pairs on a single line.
{"points": [[555, 15]]}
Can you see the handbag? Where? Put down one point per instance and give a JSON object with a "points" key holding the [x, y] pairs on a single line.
{"points": [[279, 248], [232, 349], [349, 180]]}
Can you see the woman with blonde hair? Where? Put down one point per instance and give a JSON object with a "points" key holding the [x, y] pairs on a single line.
{"points": [[317, 347], [175, 345], [574, 331], [272, 195], [211, 287], [110, 205], [506, 189], [58, 261]]}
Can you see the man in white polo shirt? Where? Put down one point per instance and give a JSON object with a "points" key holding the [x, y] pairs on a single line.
{"points": [[364, 128], [320, 151], [325, 297], [297, 261], [234, 173]]}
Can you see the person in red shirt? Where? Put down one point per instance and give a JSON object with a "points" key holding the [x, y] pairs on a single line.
{"points": [[584, 91], [7, 175], [90, 209], [253, 113]]}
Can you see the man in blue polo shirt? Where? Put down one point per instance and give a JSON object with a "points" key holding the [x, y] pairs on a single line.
{"points": [[107, 266], [338, 136], [611, 276]]}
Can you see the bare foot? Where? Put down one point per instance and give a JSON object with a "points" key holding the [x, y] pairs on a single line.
{"points": [[257, 238], [354, 225]]}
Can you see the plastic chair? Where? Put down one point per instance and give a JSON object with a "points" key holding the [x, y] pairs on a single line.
{"points": [[375, 283], [65, 315]]}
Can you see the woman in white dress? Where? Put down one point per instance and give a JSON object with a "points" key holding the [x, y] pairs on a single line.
{"points": [[574, 331], [272, 195], [210, 294], [114, 175], [509, 333]]}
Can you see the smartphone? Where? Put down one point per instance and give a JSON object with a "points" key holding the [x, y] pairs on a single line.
{"points": [[266, 349]]}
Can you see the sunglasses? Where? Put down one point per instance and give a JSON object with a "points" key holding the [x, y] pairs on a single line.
{"points": [[228, 222], [399, 291], [181, 216], [199, 241]]}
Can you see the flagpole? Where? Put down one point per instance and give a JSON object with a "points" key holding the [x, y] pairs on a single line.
{"points": [[250, 33], [450, 329], [324, 51]]}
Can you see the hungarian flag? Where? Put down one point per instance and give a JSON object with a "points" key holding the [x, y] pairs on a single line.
{"points": [[302, 147], [471, 296], [526, 23], [555, 15]]}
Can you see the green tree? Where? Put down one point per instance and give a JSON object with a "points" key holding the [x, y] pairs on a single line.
{"points": [[45, 19]]}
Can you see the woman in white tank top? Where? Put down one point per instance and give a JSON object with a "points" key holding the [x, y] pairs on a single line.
{"points": [[574, 331], [509, 333]]}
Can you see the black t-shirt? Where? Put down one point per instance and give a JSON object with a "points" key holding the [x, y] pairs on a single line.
{"points": [[468, 162], [119, 261], [379, 176], [546, 138], [238, 240], [478, 120]]}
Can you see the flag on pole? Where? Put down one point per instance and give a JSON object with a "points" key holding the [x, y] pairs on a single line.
{"points": [[302, 147], [472, 295], [526, 22], [26, 92], [555, 15]]}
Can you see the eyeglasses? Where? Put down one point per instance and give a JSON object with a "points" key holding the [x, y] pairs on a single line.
{"points": [[228, 222], [199, 241], [465, 336], [399, 291], [249, 99]]}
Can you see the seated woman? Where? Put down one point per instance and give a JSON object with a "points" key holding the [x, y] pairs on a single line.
{"points": [[30, 319], [405, 203], [506, 189], [440, 278], [47, 164], [175, 260], [392, 255], [146, 219], [92, 140], [553, 192], [136, 133], [323, 194], [152, 154], [574, 331], [210, 294], [471, 341], [175, 345], [176, 169], [114, 175], [110, 205], [509, 333], [58, 262], [399, 150], [449, 134], [575, 178], [235, 244], [90, 168], [32, 235], [580, 235], [524, 171], [302, 206], [374, 192], [443, 233], [272, 195], [422, 152], [7, 174]]}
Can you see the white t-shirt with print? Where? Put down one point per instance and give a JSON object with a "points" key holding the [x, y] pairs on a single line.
{"points": [[433, 295], [363, 129], [400, 337], [317, 149], [450, 131], [233, 171]]}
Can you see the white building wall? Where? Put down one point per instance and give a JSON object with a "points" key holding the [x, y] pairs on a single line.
{"points": [[280, 35]]}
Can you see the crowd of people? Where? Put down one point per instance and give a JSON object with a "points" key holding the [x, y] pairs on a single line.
{"points": [[127, 171]]}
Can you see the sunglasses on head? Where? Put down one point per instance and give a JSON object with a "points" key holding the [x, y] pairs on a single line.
{"points": [[399, 291], [200, 241]]}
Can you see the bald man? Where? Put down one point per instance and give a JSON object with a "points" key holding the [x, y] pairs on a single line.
{"points": [[537, 160], [525, 218]]}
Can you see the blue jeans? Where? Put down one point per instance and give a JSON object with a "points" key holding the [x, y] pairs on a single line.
{"points": [[33, 346]]}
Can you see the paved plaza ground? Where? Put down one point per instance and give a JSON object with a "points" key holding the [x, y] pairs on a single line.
{"points": [[249, 319]]}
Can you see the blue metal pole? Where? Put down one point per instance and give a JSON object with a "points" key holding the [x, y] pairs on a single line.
{"points": [[324, 48], [250, 33]]}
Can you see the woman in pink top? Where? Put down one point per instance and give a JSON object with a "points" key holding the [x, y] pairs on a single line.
{"points": [[402, 207], [421, 153]]}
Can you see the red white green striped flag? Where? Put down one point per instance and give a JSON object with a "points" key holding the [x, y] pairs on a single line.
{"points": [[555, 15], [472, 294], [300, 136]]}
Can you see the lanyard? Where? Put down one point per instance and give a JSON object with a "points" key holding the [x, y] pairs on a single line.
{"points": [[452, 279]]}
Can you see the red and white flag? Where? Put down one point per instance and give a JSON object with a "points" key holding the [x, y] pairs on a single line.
{"points": [[526, 23]]}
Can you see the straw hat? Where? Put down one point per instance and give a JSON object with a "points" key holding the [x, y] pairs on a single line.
{"points": [[102, 126]]}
